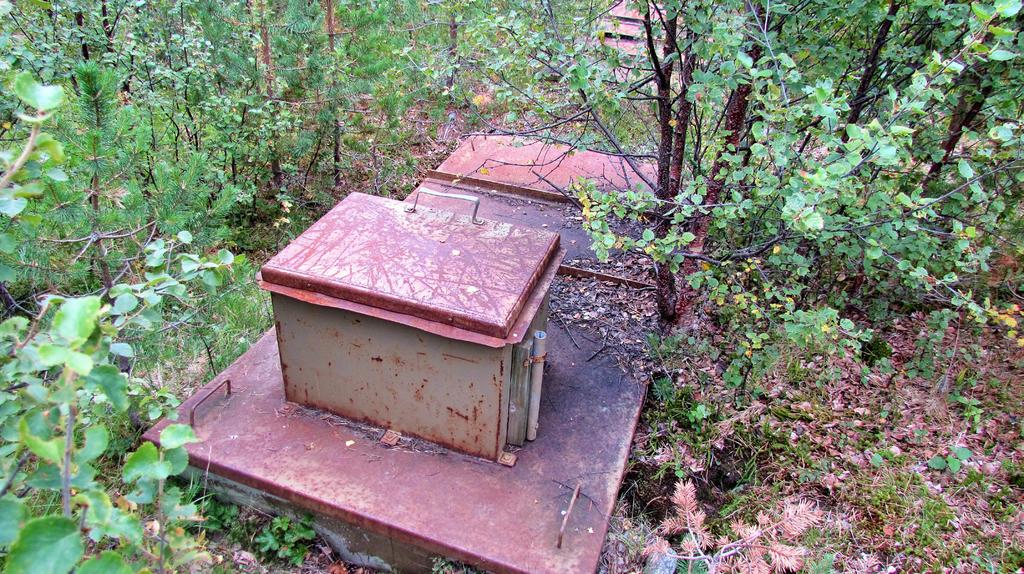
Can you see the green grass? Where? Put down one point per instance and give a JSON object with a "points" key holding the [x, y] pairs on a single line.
{"points": [[186, 354]]}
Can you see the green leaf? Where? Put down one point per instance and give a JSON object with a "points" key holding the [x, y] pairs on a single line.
{"points": [[76, 319], [51, 355], [1008, 8], [177, 435], [51, 450], [36, 95], [964, 454], [1001, 55], [937, 463], [47, 545], [225, 257], [687, 237], [7, 243], [11, 206], [56, 174], [814, 221], [122, 349], [178, 459], [953, 464], [172, 507], [145, 464], [745, 59], [53, 148], [113, 384], [648, 235], [96, 440], [104, 519], [965, 169], [12, 518], [109, 562], [184, 236], [125, 303], [80, 362], [981, 12]]}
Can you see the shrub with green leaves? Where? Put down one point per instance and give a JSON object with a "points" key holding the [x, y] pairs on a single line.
{"points": [[816, 167], [61, 385]]}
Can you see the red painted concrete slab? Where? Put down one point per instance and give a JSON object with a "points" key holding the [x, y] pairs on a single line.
{"points": [[538, 166], [498, 518], [623, 27], [621, 9], [629, 46]]}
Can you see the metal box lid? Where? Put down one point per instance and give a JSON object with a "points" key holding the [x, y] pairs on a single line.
{"points": [[430, 264]]}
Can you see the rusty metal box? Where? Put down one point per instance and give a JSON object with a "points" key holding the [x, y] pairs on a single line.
{"points": [[414, 319]]}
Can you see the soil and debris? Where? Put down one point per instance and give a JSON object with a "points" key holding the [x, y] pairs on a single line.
{"points": [[615, 316]]}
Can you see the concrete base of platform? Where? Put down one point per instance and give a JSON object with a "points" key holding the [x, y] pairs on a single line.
{"points": [[393, 508]]}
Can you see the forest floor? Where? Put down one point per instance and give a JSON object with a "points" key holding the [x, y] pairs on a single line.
{"points": [[911, 478]]}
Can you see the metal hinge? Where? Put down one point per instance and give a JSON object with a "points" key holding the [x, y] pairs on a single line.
{"points": [[391, 437]]}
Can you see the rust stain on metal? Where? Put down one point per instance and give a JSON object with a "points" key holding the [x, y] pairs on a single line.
{"points": [[456, 413], [192, 411], [519, 190], [387, 392], [431, 264], [537, 214]]}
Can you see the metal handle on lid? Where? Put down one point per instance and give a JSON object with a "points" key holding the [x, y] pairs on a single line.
{"points": [[474, 199]]}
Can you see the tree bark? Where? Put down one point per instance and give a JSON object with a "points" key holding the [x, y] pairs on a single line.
{"points": [[663, 81], [964, 116], [735, 118], [80, 22], [666, 288], [860, 98], [683, 111], [453, 45], [268, 77], [336, 165]]}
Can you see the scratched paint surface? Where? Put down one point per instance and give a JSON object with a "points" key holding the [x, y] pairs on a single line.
{"points": [[431, 264]]}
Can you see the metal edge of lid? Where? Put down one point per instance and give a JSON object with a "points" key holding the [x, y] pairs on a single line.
{"points": [[464, 319], [516, 333]]}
